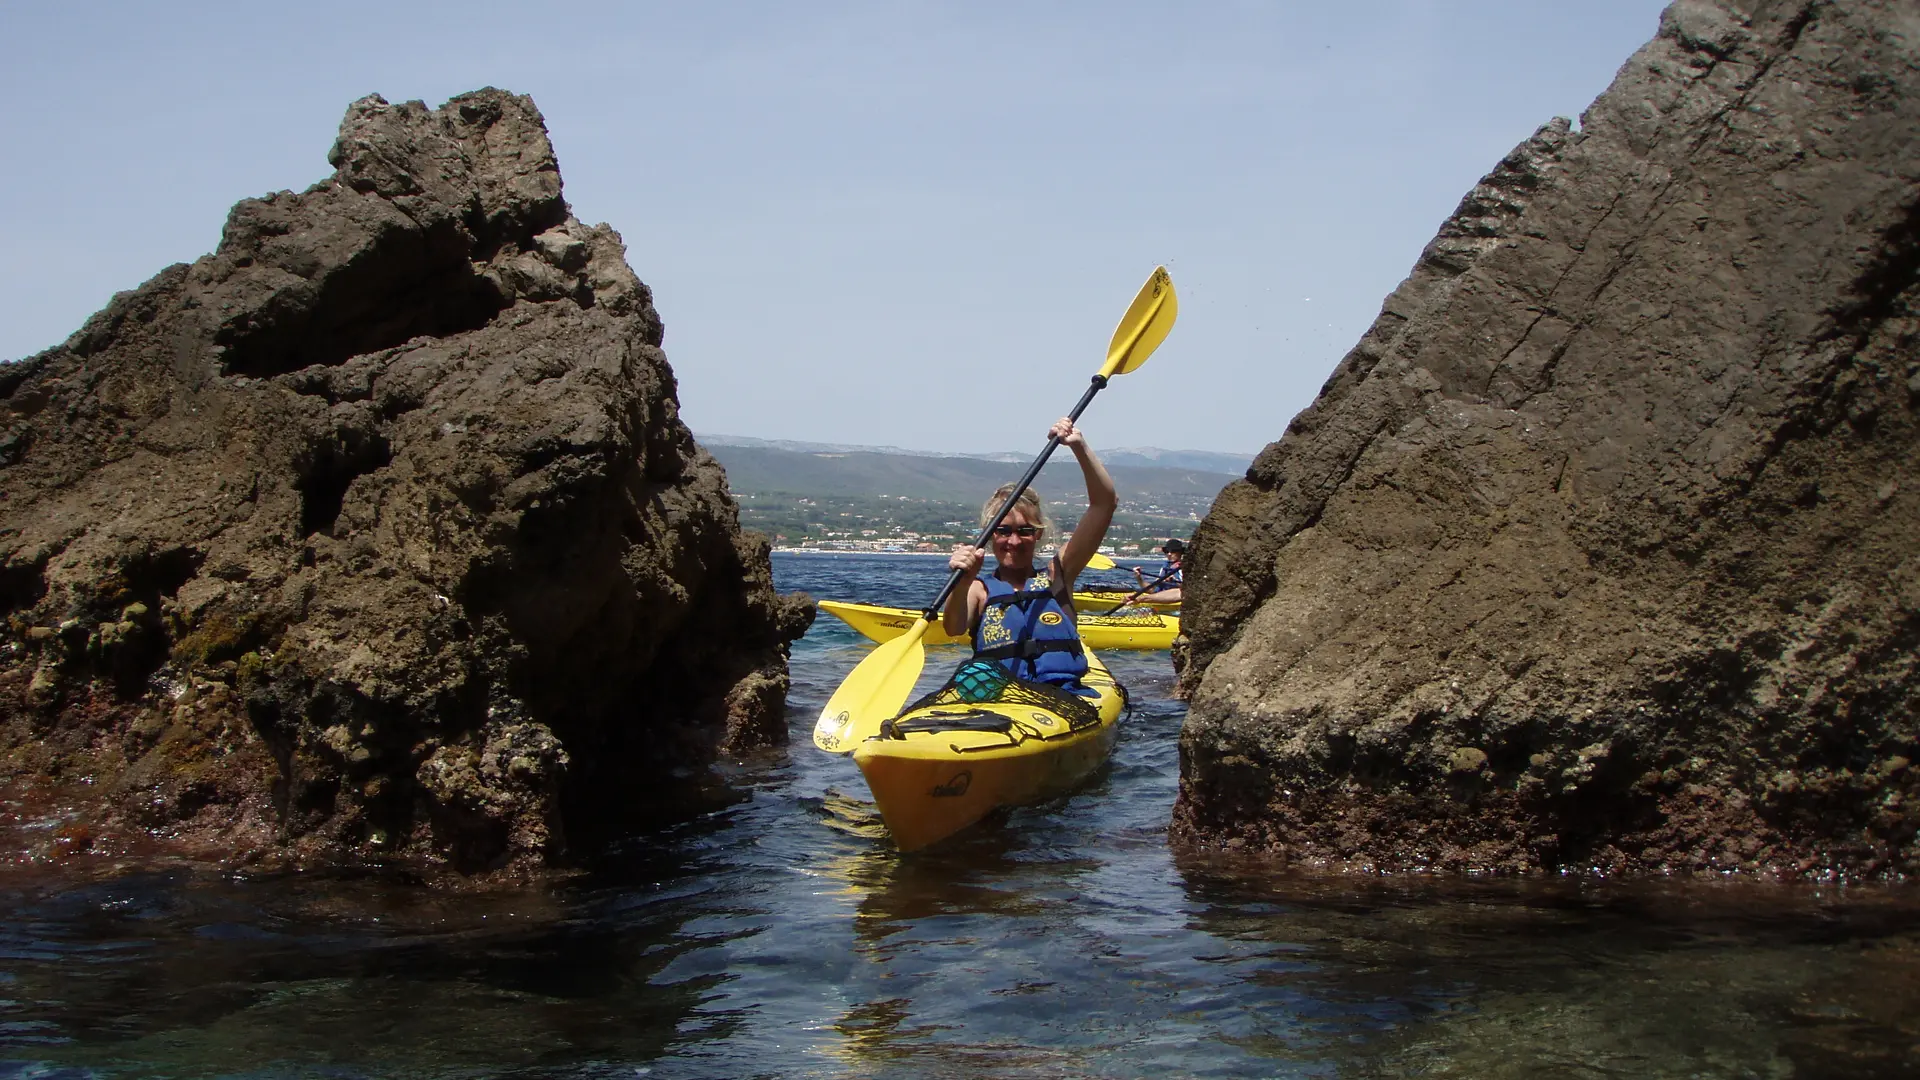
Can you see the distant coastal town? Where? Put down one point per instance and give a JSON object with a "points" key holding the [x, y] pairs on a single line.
{"points": [[915, 545], [902, 504], [905, 525]]}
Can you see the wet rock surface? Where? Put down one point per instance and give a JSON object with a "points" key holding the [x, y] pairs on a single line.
{"points": [[374, 535], [1602, 548]]}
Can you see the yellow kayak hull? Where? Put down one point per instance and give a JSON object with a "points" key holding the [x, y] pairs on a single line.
{"points": [[932, 784], [1145, 630]]}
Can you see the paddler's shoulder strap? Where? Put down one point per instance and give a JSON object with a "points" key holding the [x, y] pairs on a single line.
{"points": [[1036, 587]]}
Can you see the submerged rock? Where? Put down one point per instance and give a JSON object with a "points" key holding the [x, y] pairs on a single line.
{"points": [[376, 533], [1602, 548]]}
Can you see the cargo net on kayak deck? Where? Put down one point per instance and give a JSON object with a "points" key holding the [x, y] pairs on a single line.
{"points": [[983, 682], [1128, 615]]}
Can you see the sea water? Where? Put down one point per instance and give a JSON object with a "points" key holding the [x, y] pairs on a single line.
{"points": [[781, 936]]}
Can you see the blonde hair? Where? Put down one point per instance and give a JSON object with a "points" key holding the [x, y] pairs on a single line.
{"points": [[1028, 502]]}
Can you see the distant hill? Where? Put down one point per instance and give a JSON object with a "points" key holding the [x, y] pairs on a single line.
{"points": [[851, 469], [710, 441], [1234, 465], [767, 468], [851, 497]]}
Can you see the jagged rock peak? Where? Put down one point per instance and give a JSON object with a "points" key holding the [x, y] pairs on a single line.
{"points": [[485, 153]]}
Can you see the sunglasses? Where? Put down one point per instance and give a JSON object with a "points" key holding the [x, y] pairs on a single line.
{"points": [[1024, 532]]}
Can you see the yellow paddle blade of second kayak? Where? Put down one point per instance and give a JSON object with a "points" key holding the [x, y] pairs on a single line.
{"points": [[873, 692]]}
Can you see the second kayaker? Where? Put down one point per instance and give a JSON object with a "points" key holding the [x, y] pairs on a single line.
{"points": [[1020, 615], [1164, 587]]}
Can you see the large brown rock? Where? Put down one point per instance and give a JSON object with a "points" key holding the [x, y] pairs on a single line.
{"points": [[374, 534], [1602, 547]]}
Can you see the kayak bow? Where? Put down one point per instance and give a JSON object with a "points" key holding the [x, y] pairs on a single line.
{"points": [[937, 769]]}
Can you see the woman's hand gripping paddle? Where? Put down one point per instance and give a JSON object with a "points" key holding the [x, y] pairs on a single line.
{"points": [[878, 686]]}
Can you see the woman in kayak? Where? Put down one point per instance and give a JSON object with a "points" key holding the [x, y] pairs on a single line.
{"points": [[1021, 615]]}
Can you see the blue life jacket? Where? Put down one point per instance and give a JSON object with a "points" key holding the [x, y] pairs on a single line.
{"points": [[1030, 632], [1172, 574]]}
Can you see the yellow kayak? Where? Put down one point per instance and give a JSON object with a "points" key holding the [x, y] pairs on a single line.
{"points": [[938, 768], [1108, 599], [1128, 630]]}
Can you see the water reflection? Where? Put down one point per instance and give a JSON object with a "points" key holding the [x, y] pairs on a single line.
{"points": [[954, 945], [187, 976], [986, 877], [1575, 977]]}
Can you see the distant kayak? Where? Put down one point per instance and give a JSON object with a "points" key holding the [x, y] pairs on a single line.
{"points": [[954, 757], [1125, 630]]}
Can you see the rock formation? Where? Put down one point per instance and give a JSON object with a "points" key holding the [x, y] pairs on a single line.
{"points": [[375, 534], [1601, 549]]}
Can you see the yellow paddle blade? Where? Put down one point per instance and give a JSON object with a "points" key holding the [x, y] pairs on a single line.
{"points": [[1100, 562], [1144, 326], [872, 693]]}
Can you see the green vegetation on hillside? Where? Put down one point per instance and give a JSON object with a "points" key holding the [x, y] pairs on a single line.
{"points": [[815, 520], [804, 499]]}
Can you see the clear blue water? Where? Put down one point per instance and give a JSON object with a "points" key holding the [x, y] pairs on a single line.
{"points": [[781, 936]]}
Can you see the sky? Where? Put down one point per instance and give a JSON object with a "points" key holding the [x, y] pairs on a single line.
{"points": [[887, 223]]}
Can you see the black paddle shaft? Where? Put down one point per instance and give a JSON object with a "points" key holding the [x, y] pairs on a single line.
{"points": [[932, 611]]}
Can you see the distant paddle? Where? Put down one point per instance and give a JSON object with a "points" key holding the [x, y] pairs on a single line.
{"points": [[1144, 589], [878, 686], [1100, 562]]}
